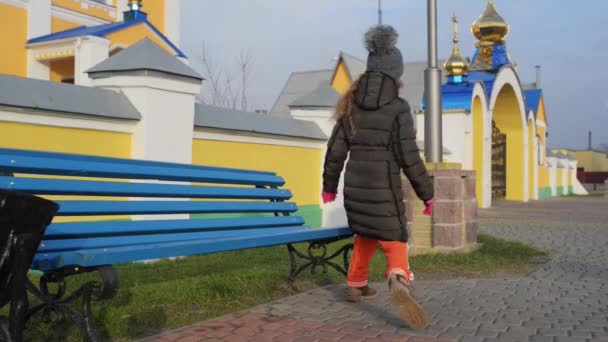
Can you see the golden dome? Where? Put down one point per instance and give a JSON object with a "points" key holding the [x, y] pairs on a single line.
{"points": [[456, 65], [490, 27]]}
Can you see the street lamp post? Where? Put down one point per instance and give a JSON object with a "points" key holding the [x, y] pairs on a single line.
{"points": [[432, 91]]}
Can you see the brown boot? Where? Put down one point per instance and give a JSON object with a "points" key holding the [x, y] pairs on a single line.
{"points": [[354, 294], [401, 295]]}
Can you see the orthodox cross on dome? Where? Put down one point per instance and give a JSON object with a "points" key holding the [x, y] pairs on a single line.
{"points": [[456, 66]]}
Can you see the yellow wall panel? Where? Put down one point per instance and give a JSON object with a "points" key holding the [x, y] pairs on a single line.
{"points": [[61, 69], [341, 81], [67, 140], [136, 33], [297, 165], [13, 25], [541, 115], [156, 13], [81, 7], [508, 119], [58, 25], [560, 177], [543, 177]]}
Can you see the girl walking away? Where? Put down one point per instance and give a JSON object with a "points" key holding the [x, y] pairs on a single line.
{"points": [[376, 127]]}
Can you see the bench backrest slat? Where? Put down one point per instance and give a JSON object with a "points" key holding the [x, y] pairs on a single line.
{"points": [[53, 166], [53, 246], [95, 188], [74, 230], [126, 254], [120, 161], [100, 208]]}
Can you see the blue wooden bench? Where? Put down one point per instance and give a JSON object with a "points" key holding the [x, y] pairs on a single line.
{"points": [[79, 247]]}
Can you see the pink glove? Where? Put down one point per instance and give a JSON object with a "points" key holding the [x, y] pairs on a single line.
{"points": [[428, 207], [328, 197]]}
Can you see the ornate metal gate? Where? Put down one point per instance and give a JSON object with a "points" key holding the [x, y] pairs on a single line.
{"points": [[499, 163]]}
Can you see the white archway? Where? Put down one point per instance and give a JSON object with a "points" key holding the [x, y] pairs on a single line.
{"points": [[506, 98], [534, 160], [481, 145]]}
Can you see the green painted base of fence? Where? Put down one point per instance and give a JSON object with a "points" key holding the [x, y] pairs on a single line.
{"points": [[544, 193], [312, 214], [560, 191]]}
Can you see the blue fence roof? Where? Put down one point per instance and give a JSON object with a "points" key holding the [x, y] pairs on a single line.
{"points": [[459, 95], [532, 97], [102, 31]]}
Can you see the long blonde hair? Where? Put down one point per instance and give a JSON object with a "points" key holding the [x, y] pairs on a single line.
{"points": [[344, 107]]}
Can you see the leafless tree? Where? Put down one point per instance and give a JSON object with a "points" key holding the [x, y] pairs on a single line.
{"points": [[213, 77], [246, 62], [219, 86]]}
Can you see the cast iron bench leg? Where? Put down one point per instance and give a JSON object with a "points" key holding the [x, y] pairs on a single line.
{"points": [[19, 303], [5, 335], [316, 256], [58, 303]]}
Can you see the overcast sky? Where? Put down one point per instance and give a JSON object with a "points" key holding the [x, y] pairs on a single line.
{"points": [[569, 39]]}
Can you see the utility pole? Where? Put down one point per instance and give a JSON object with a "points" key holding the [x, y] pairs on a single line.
{"points": [[433, 146]]}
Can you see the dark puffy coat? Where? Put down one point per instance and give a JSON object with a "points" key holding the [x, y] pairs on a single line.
{"points": [[381, 144]]}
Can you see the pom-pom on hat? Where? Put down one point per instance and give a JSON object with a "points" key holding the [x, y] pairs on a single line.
{"points": [[384, 56]]}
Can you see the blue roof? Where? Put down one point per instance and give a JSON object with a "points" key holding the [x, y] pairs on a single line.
{"points": [[459, 95], [532, 97], [102, 31]]}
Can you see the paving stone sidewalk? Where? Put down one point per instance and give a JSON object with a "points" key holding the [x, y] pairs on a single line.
{"points": [[564, 300]]}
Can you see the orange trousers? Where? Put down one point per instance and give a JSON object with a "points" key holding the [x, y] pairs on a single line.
{"points": [[363, 251]]}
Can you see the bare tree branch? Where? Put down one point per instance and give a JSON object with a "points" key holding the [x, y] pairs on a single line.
{"points": [[219, 88], [246, 62]]}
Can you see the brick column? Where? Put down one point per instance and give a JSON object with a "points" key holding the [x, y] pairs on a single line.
{"points": [[453, 227]]}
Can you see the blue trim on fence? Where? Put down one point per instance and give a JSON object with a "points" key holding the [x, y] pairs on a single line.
{"points": [[86, 208], [94, 188]]}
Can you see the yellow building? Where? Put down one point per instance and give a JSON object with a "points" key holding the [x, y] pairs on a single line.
{"points": [[59, 40], [588, 160]]}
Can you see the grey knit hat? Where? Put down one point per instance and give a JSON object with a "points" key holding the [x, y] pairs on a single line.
{"points": [[384, 56]]}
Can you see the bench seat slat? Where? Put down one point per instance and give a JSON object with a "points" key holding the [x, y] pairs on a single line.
{"points": [[67, 245], [73, 230], [94, 188], [120, 161], [97, 208], [52, 166], [121, 255]]}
